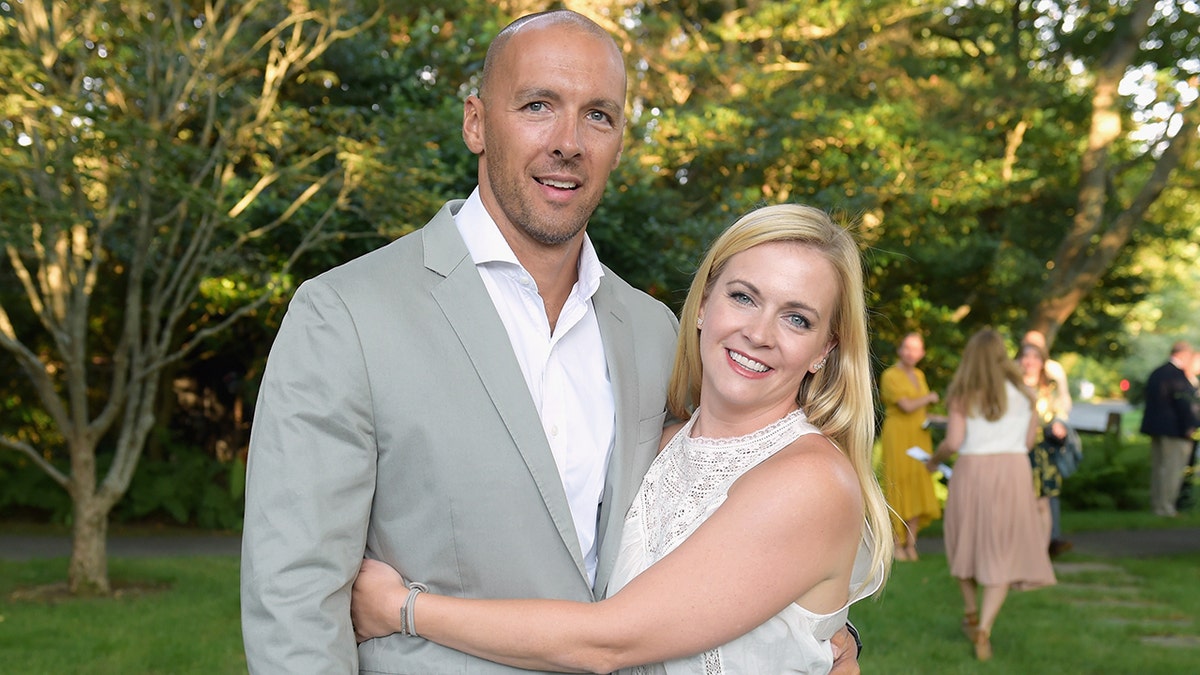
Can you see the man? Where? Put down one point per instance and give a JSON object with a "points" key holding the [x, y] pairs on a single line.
{"points": [[1170, 421], [475, 403]]}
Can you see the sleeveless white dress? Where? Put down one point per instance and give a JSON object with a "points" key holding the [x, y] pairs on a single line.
{"points": [[687, 482]]}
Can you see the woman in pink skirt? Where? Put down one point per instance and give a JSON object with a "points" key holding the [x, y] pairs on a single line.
{"points": [[993, 533]]}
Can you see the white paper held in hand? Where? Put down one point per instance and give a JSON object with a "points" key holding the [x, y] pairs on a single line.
{"points": [[921, 455]]}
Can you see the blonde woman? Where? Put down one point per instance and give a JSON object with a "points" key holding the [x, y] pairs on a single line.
{"points": [[993, 533], [759, 523]]}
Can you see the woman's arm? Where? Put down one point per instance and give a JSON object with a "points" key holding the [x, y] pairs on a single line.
{"points": [[1031, 432], [956, 433], [910, 405], [723, 581]]}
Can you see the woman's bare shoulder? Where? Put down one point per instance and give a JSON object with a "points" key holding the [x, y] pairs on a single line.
{"points": [[811, 474], [669, 432]]}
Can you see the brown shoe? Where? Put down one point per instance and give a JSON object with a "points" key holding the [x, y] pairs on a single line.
{"points": [[983, 645], [1059, 547], [970, 624]]}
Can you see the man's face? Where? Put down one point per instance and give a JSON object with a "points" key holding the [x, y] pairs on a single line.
{"points": [[549, 130]]}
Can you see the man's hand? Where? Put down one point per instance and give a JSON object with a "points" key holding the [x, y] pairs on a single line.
{"points": [[845, 653]]}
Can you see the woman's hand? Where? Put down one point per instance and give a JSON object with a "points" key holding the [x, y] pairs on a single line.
{"points": [[1058, 430], [376, 600]]}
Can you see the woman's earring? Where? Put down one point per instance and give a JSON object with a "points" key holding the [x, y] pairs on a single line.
{"points": [[699, 322], [819, 365]]}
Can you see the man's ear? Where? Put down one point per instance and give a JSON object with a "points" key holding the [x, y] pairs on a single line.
{"points": [[472, 125]]}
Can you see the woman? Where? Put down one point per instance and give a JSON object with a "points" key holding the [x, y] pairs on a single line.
{"points": [[906, 484], [1051, 432], [772, 463], [993, 534]]}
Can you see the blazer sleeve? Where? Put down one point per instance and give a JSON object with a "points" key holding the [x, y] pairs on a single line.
{"points": [[310, 483]]}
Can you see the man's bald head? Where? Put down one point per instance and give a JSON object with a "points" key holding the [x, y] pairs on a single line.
{"points": [[556, 17]]}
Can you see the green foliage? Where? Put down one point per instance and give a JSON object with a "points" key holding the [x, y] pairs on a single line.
{"points": [[27, 492], [188, 488], [185, 487], [1114, 475]]}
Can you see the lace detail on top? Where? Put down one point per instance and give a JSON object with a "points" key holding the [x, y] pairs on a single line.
{"points": [[690, 473], [685, 485]]}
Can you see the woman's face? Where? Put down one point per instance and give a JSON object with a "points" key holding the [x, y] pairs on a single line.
{"points": [[912, 350], [767, 323], [1031, 362]]}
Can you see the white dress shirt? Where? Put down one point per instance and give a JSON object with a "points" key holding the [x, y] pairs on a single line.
{"points": [[566, 371]]}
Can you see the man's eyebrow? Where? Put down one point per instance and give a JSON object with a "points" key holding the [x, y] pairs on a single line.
{"points": [[536, 93]]}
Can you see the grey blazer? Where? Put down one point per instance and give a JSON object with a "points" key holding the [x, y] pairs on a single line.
{"points": [[393, 421]]}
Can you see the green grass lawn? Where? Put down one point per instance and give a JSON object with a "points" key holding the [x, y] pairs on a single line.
{"points": [[180, 615], [175, 616], [1136, 616]]}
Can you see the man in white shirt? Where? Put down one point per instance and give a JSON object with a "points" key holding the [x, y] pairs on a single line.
{"points": [[474, 403]]}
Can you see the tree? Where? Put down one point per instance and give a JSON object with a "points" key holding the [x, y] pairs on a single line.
{"points": [[961, 136], [1114, 197], [138, 136]]}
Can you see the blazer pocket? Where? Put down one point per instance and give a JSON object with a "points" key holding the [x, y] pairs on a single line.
{"points": [[651, 428]]}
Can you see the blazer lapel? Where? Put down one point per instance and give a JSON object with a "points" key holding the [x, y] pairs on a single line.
{"points": [[466, 304], [623, 477]]}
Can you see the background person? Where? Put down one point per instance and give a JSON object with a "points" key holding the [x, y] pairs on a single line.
{"points": [[1054, 371], [1050, 437], [1187, 490], [906, 484], [1061, 403], [1170, 420], [717, 571], [993, 534]]}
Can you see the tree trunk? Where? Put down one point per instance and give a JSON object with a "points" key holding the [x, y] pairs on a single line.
{"points": [[1102, 227], [88, 571]]}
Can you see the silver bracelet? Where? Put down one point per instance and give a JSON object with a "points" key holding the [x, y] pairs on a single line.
{"points": [[408, 623]]}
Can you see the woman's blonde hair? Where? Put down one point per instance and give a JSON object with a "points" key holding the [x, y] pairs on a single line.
{"points": [[836, 399], [978, 384]]}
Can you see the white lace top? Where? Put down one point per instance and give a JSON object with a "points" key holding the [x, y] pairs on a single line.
{"points": [[687, 482]]}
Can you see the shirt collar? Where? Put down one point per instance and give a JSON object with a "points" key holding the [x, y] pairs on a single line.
{"points": [[486, 245]]}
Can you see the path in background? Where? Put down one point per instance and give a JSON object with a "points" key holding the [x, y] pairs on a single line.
{"points": [[1112, 544], [38, 546]]}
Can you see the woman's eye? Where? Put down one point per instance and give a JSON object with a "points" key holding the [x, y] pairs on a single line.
{"points": [[798, 321]]}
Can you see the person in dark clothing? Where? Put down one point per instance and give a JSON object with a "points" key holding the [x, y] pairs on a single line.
{"points": [[1170, 421]]}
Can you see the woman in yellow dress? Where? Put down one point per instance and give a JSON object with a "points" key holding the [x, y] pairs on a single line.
{"points": [[906, 484]]}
